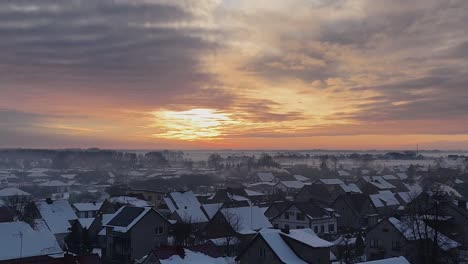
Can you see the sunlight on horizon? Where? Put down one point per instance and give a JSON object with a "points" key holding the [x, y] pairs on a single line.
{"points": [[190, 125]]}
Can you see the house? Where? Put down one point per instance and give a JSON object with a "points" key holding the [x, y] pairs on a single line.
{"points": [[130, 200], [356, 211], [9, 193], [38, 241], [87, 210], [385, 202], [184, 207], [289, 187], [301, 178], [374, 184], [264, 177], [300, 215], [395, 260], [326, 191], [240, 222], [57, 215], [56, 186], [154, 197], [267, 188], [271, 246], [392, 238], [457, 228], [132, 232]]}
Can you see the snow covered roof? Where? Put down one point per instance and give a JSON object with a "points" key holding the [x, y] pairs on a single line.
{"points": [[260, 184], [308, 237], [54, 183], [446, 189], [301, 178], [126, 217], [253, 193], [415, 230], [384, 198], [182, 200], [37, 242], [68, 176], [331, 181], [7, 192], [192, 215], [402, 175], [458, 181], [249, 218], [390, 177], [273, 238], [343, 173], [265, 176], [396, 260], [87, 206], [292, 184], [379, 182], [223, 241], [211, 209], [130, 201], [37, 174], [413, 188], [350, 188], [57, 215]]}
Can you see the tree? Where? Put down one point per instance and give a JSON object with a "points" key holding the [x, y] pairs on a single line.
{"points": [[231, 227], [215, 161], [77, 241], [267, 161], [156, 159], [22, 208], [424, 220]]}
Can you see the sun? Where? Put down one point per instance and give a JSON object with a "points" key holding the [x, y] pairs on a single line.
{"points": [[191, 125]]}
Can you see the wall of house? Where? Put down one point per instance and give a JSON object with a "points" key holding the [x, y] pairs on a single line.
{"points": [[386, 234], [252, 254], [144, 237], [309, 254], [351, 218]]}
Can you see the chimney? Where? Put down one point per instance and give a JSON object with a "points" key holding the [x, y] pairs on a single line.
{"points": [[286, 229], [49, 200], [462, 204]]}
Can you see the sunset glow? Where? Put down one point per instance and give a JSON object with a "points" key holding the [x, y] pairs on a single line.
{"points": [[234, 74]]}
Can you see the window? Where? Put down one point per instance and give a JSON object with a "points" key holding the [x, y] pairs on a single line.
{"points": [[331, 228], [374, 243], [316, 229], [286, 215], [396, 245], [262, 252], [322, 229], [300, 217], [385, 230], [286, 227], [159, 230]]}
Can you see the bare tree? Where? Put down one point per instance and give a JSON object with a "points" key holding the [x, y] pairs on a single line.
{"points": [[231, 227], [423, 221], [22, 208]]}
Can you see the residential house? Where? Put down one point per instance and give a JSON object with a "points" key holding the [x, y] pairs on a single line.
{"points": [[37, 241], [154, 197], [385, 202], [264, 177], [289, 187], [299, 215], [58, 216], [87, 210], [356, 211], [132, 232], [325, 191], [7, 194], [271, 246], [267, 188], [240, 222], [374, 184], [237, 197], [392, 238]]}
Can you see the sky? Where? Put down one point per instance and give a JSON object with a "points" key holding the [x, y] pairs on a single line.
{"points": [[234, 74]]}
